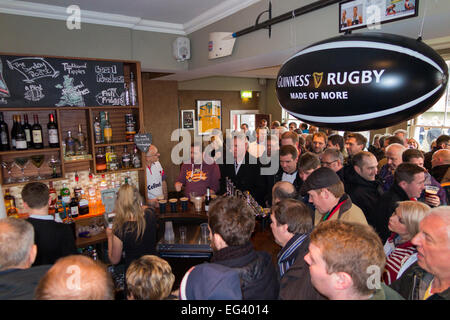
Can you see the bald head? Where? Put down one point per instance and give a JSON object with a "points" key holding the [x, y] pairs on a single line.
{"points": [[152, 155], [283, 190], [440, 157], [76, 277], [394, 155]]}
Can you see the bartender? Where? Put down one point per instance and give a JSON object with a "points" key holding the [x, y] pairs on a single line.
{"points": [[156, 178]]}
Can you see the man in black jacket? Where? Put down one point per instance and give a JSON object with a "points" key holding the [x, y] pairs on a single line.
{"points": [[291, 225], [363, 187], [54, 240], [18, 280], [409, 181], [232, 222], [442, 142]]}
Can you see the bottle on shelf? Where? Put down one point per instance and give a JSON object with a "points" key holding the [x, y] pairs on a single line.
{"points": [[207, 199], [100, 161], [10, 205], [4, 134], [112, 161], [36, 133], [126, 95], [53, 137], [98, 131], [132, 90], [21, 139], [77, 189], [27, 128], [82, 148], [135, 158], [52, 208], [130, 127], [92, 195], [14, 132], [74, 208], [126, 158], [107, 129], [65, 195], [83, 203], [70, 145]]}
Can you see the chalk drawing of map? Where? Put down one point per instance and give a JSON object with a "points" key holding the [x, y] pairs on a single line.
{"points": [[71, 95]]}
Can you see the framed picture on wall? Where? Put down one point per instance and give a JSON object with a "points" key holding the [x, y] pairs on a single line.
{"points": [[209, 115], [188, 119]]}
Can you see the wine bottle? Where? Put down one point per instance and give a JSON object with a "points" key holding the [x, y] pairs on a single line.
{"points": [[21, 139], [107, 129], [207, 200], [4, 134], [14, 132], [27, 128], [36, 131], [132, 90], [52, 126]]}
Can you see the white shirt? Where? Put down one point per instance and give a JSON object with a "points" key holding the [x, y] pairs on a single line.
{"points": [[289, 177], [155, 177]]}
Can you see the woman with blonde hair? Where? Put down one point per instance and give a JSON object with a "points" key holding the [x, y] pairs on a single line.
{"points": [[134, 228], [404, 224]]}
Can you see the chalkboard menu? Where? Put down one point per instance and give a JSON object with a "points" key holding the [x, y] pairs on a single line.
{"points": [[58, 82]]}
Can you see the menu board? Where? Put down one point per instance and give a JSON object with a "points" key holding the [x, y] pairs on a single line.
{"points": [[58, 82]]}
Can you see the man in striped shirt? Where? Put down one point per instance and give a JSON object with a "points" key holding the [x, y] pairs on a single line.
{"points": [[291, 225]]}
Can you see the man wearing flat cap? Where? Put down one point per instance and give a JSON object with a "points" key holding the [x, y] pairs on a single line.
{"points": [[326, 192]]}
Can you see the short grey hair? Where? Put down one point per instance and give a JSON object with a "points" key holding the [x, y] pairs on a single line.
{"points": [[443, 212], [16, 240], [336, 154]]}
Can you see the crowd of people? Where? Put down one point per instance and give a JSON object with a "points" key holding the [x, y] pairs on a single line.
{"points": [[353, 221]]}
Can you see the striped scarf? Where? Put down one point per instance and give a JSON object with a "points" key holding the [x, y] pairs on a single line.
{"points": [[396, 259], [287, 257]]}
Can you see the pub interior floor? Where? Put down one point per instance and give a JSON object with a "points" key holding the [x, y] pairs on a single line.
{"points": [[262, 240]]}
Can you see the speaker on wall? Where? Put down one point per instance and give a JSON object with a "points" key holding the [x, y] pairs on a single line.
{"points": [[181, 48]]}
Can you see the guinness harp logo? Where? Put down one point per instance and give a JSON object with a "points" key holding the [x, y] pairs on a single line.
{"points": [[317, 79]]}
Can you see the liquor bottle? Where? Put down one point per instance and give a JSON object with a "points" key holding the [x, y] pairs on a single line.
{"points": [[27, 128], [103, 185], [107, 129], [207, 200], [126, 158], [70, 144], [98, 131], [52, 126], [21, 139], [36, 131], [65, 195], [61, 209], [81, 141], [130, 127], [92, 195], [74, 208], [77, 190], [13, 132], [52, 208], [83, 203], [100, 161], [135, 158], [112, 160], [4, 134], [132, 90], [10, 205], [126, 95]]}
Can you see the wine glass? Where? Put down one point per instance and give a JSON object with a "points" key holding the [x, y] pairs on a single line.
{"points": [[8, 165], [37, 160], [21, 163], [53, 163]]}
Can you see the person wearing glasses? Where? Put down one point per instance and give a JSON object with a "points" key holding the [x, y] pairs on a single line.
{"points": [[333, 159]]}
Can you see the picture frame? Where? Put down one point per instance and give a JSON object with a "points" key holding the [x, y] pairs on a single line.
{"points": [[188, 119], [209, 116], [357, 14]]}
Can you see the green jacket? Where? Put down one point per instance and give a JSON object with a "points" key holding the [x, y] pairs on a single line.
{"points": [[386, 293]]}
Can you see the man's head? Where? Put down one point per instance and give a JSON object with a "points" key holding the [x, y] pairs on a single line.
{"points": [[319, 142], [307, 163], [440, 157], [283, 190], [365, 164], [292, 126], [394, 155], [152, 155], [17, 248], [231, 222], [413, 156], [275, 124], [289, 138], [433, 242], [76, 277], [411, 178], [290, 217], [325, 188], [263, 123], [333, 159], [240, 146], [443, 142], [401, 133], [303, 126], [244, 127], [35, 195], [288, 158], [196, 154], [313, 129], [354, 143], [149, 278], [343, 257], [391, 140], [336, 141]]}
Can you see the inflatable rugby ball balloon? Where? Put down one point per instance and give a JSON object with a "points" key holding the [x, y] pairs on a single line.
{"points": [[361, 81]]}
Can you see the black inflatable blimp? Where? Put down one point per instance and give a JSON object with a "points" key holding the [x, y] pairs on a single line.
{"points": [[360, 82]]}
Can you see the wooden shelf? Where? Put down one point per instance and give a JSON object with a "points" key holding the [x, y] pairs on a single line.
{"points": [[102, 145], [15, 184], [20, 152], [120, 170]]}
